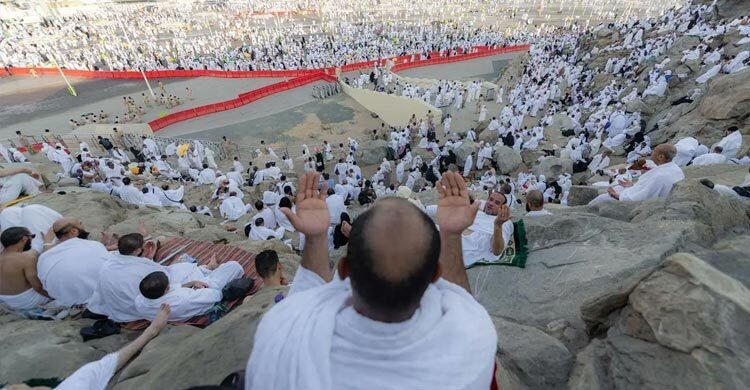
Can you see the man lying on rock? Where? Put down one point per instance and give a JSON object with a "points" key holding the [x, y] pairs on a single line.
{"points": [[15, 182]]}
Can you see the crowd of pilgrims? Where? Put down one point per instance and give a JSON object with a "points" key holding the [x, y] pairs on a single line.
{"points": [[421, 157], [179, 38]]}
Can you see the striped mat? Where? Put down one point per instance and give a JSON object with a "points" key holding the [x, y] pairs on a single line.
{"points": [[202, 251]]}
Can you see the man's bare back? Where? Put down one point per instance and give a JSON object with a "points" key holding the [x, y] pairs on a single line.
{"points": [[18, 273]]}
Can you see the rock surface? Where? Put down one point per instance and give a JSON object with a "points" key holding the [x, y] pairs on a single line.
{"points": [[506, 158]]}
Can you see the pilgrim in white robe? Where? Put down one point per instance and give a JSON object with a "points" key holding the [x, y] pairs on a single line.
{"points": [[27, 300], [599, 162], [11, 187], [468, 165], [709, 74], [92, 376], [731, 144], [207, 176], [455, 348], [686, 149], [477, 239], [132, 195], [656, 183], [37, 218], [336, 206], [262, 233], [709, 159], [232, 208], [69, 271], [185, 303]]}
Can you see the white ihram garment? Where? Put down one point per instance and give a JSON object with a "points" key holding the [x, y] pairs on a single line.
{"points": [[314, 339]]}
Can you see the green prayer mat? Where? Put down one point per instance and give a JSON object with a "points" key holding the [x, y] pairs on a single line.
{"points": [[516, 252]]}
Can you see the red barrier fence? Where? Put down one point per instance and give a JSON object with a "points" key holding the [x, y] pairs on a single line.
{"points": [[241, 100], [307, 77]]}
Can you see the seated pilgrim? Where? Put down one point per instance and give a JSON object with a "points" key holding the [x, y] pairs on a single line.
{"points": [[258, 232], [715, 157], [269, 268], [398, 313], [535, 204], [70, 269], [120, 277], [186, 300], [20, 288], [656, 183], [15, 182]]}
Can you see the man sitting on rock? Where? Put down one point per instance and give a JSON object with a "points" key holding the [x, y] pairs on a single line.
{"points": [[269, 268], [399, 302], [120, 276], [20, 288], [535, 204], [69, 270], [656, 183]]}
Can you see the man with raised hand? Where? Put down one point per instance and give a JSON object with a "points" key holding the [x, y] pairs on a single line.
{"points": [[397, 313]]}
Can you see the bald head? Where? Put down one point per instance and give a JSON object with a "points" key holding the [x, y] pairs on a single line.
{"points": [[663, 154], [392, 256], [534, 200], [66, 228]]}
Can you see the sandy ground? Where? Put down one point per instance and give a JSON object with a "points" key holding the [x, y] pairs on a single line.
{"points": [[32, 105]]}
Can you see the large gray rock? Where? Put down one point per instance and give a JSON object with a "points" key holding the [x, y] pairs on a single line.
{"points": [[506, 158], [489, 136], [371, 152], [684, 327], [47, 349], [536, 358], [200, 358], [728, 96], [531, 156], [553, 167], [582, 195], [463, 151], [97, 211]]}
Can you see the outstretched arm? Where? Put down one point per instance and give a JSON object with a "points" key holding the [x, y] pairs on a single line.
{"points": [[312, 220], [128, 351], [455, 213]]}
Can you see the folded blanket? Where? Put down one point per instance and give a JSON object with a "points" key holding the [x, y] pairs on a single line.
{"points": [[516, 252], [172, 251]]}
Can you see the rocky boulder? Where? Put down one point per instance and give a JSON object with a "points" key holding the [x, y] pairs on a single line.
{"points": [[531, 156], [463, 151], [553, 166], [489, 136], [684, 327], [371, 152], [506, 158], [582, 195], [728, 97], [203, 357]]}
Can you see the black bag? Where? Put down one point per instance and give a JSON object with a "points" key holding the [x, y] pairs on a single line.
{"points": [[237, 289], [568, 132], [101, 328]]}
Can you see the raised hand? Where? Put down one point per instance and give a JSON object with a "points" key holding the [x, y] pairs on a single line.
{"points": [[311, 218], [503, 215], [454, 213]]}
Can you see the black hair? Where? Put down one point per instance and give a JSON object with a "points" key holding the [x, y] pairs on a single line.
{"points": [[126, 180], [13, 235], [129, 243], [378, 292], [266, 263], [154, 285]]}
